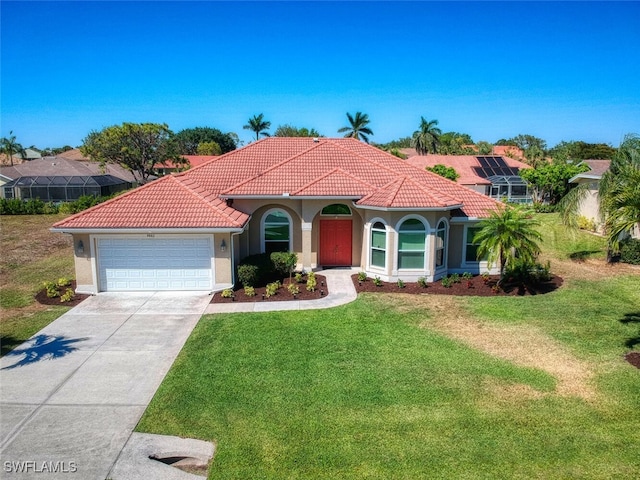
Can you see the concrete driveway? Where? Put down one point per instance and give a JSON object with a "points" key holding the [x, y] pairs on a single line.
{"points": [[71, 396]]}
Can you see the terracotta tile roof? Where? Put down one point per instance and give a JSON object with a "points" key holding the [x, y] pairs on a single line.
{"points": [[193, 160], [467, 166], [597, 167], [275, 166], [164, 203]]}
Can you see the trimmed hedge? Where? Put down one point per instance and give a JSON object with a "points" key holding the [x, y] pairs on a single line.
{"points": [[35, 206], [258, 269], [630, 251]]}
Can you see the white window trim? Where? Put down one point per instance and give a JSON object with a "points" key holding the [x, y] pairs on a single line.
{"points": [[262, 225], [427, 235], [370, 265], [350, 214], [445, 257], [481, 265]]}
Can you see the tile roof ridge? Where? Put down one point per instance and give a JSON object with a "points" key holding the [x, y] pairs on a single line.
{"points": [[273, 167], [113, 200], [217, 158], [330, 173], [370, 160]]}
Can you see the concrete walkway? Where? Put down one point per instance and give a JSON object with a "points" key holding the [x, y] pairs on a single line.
{"points": [[339, 284], [71, 395]]}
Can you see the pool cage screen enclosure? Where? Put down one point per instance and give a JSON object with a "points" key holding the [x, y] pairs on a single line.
{"points": [[63, 189]]}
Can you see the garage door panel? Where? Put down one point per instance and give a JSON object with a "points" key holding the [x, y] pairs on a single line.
{"points": [[155, 264]]}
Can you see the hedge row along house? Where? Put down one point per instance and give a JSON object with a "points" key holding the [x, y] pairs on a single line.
{"points": [[335, 202]]}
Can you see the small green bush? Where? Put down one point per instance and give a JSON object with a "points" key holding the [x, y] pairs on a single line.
{"points": [[52, 289], [265, 270], [293, 289], [250, 291], [272, 289], [422, 282], [377, 282], [467, 275], [227, 293], [455, 278], [248, 275], [312, 283], [447, 282], [298, 277], [67, 296], [544, 208], [630, 251], [401, 283], [64, 282], [284, 262], [585, 223], [362, 276]]}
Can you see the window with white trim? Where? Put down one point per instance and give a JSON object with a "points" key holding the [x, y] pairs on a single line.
{"points": [[336, 209], [276, 232], [378, 245], [441, 243], [411, 244], [471, 250]]}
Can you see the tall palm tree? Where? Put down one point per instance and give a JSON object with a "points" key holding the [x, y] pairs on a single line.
{"points": [[357, 127], [258, 125], [618, 195], [10, 147], [426, 139], [508, 234]]}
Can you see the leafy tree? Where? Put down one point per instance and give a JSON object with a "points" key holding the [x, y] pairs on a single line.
{"points": [[258, 125], [550, 180], [284, 262], [534, 156], [404, 142], [506, 236], [444, 171], [618, 194], [10, 147], [454, 143], [582, 151], [55, 151], [484, 148], [524, 142], [357, 127], [426, 139], [189, 139], [291, 131], [135, 146], [209, 148]]}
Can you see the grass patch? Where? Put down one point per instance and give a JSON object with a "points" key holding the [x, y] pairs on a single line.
{"points": [[31, 255], [559, 241], [361, 391]]}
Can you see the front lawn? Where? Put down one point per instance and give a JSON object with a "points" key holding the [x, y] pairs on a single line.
{"points": [[367, 391]]}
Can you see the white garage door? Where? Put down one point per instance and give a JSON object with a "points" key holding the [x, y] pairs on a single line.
{"points": [[155, 264]]}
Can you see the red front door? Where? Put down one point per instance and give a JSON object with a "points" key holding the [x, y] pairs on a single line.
{"points": [[335, 242]]}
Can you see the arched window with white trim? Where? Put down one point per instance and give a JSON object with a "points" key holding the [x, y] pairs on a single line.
{"points": [[378, 245], [412, 240], [441, 243], [276, 231]]}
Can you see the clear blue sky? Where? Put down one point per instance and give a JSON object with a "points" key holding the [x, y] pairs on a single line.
{"points": [[560, 71]]}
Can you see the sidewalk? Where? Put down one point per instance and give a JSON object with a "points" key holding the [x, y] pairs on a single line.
{"points": [[339, 284]]}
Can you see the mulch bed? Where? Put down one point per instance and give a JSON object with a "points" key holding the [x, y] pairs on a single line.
{"points": [[633, 358], [41, 297], [474, 287], [282, 294]]}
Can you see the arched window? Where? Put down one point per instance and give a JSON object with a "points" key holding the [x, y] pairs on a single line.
{"points": [[276, 231], [411, 244], [441, 243], [378, 245]]}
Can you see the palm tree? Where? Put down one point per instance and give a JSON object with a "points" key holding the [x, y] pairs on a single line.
{"points": [[506, 235], [258, 125], [10, 147], [618, 195], [357, 127], [426, 139]]}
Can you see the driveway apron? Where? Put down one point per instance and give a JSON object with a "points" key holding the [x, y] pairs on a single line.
{"points": [[71, 395]]}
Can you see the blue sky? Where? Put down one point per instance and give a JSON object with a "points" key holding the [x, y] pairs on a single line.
{"points": [[560, 71]]}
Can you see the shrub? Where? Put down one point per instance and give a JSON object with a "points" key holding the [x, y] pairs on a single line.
{"points": [[68, 296], [284, 262], [64, 282], [455, 278], [362, 276], [585, 223], [33, 206], [265, 270], [298, 277], [630, 251], [312, 283], [227, 293], [526, 273], [272, 289], [52, 289], [250, 291], [422, 282], [377, 282], [400, 283], [447, 282], [544, 208], [248, 275], [467, 275], [293, 289]]}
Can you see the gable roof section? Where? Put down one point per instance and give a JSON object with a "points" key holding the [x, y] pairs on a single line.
{"points": [[597, 168], [271, 167], [164, 203]]}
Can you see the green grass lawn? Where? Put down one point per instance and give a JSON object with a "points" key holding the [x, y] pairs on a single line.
{"points": [[362, 391], [559, 241]]}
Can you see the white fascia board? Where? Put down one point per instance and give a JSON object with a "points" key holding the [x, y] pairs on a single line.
{"points": [[408, 209], [465, 219], [146, 230], [586, 176]]}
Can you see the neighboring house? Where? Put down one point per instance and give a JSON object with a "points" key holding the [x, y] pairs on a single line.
{"points": [[192, 160], [57, 179], [335, 202], [495, 176], [29, 154]]}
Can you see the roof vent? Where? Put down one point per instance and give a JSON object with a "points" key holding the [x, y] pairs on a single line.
{"points": [[316, 139]]}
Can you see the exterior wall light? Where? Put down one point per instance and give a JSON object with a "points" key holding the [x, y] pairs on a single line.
{"points": [[223, 246], [80, 247]]}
